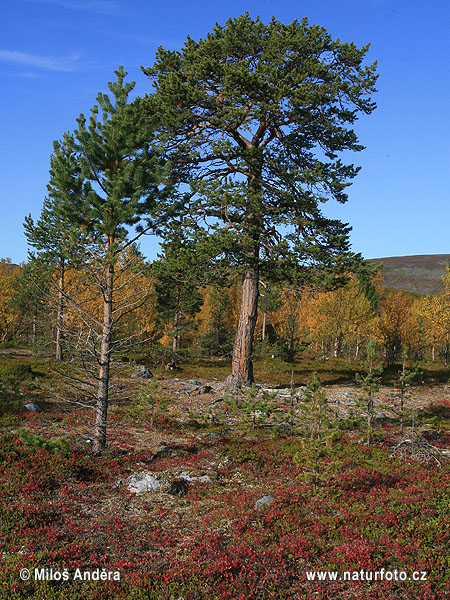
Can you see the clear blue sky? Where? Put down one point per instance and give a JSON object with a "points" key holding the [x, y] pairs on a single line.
{"points": [[55, 55]]}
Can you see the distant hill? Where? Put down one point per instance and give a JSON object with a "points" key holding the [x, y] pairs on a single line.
{"points": [[420, 273]]}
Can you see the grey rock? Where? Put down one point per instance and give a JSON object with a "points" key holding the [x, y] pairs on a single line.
{"points": [[205, 389], [214, 435], [218, 386], [142, 482], [33, 407], [202, 479], [142, 373], [264, 501], [276, 391]]}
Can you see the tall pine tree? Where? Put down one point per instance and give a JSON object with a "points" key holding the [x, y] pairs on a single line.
{"points": [[122, 194], [254, 117], [123, 178]]}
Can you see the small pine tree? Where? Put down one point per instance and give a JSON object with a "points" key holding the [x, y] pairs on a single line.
{"points": [[257, 408], [319, 431], [254, 408], [370, 383], [404, 380]]}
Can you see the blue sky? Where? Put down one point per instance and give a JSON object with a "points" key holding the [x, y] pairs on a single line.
{"points": [[55, 55]]}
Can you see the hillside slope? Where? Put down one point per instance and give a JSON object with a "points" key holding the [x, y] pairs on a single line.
{"points": [[421, 273]]}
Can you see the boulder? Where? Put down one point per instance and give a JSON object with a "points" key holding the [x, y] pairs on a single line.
{"points": [[300, 392], [264, 501], [205, 389], [33, 407], [142, 482], [201, 479], [214, 435]]}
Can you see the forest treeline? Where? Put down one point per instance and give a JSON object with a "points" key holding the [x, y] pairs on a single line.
{"points": [[178, 320]]}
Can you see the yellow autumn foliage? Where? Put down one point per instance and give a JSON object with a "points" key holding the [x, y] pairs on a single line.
{"points": [[133, 304], [10, 318]]}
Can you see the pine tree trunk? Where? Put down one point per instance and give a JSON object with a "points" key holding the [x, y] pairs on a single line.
{"points": [[242, 366], [264, 327], [33, 329], [59, 313], [101, 411]]}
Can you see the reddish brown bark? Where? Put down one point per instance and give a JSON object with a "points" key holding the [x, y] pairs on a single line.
{"points": [[242, 365]]}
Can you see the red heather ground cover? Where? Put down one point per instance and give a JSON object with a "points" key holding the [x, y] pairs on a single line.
{"points": [[371, 511]]}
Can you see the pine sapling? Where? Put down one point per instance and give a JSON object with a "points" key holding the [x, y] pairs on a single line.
{"points": [[370, 383], [404, 380], [320, 432], [257, 409]]}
